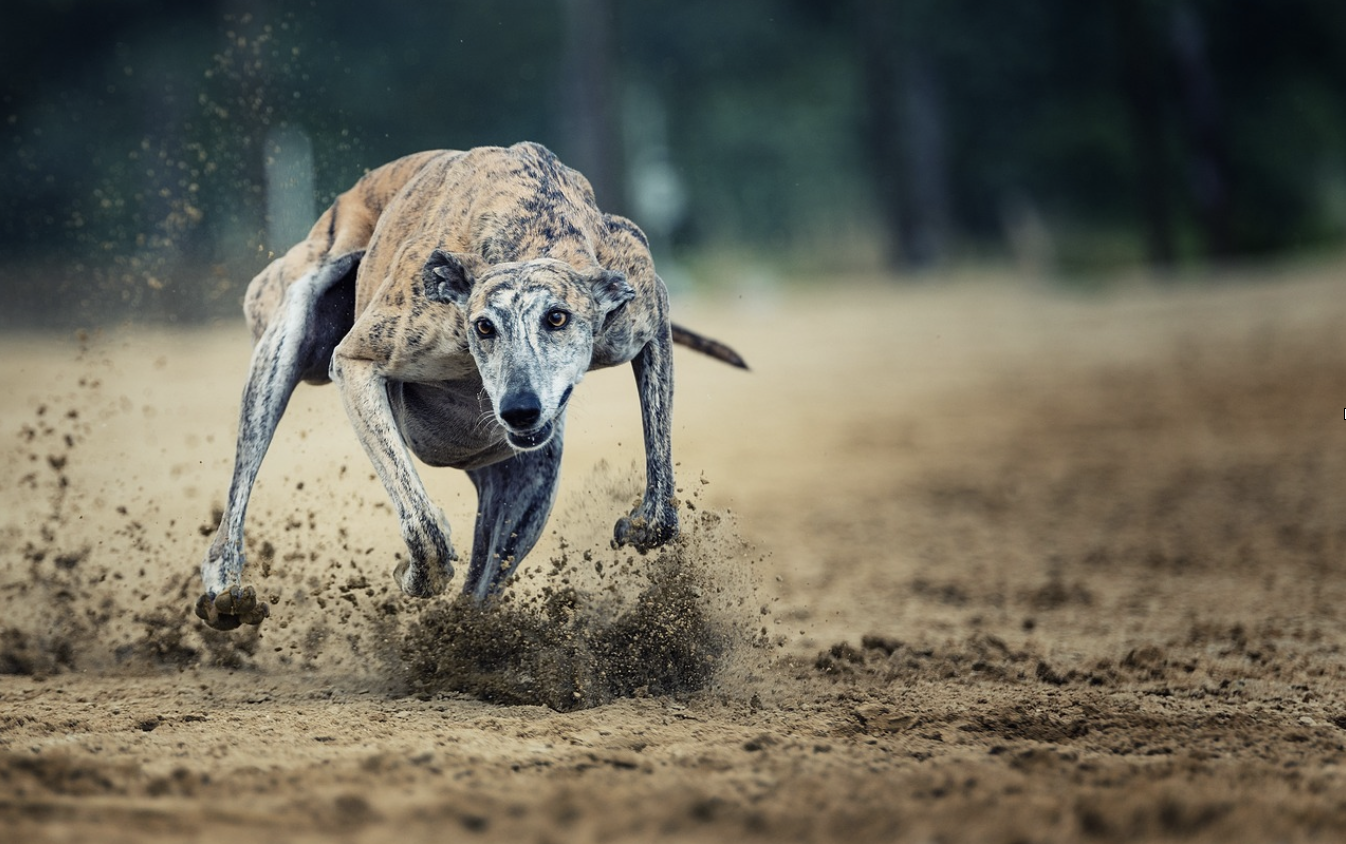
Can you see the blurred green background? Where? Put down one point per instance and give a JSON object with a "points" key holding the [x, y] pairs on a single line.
{"points": [[156, 154]]}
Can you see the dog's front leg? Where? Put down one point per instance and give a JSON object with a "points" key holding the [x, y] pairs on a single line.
{"points": [[364, 391], [655, 520], [514, 499]]}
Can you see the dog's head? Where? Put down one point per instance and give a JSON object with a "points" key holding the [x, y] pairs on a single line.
{"points": [[530, 327]]}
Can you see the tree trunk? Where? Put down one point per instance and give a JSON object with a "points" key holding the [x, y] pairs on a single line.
{"points": [[925, 221], [1140, 61], [1209, 168], [905, 137], [591, 129]]}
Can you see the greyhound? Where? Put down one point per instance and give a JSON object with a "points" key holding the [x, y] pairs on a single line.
{"points": [[456, 298]]}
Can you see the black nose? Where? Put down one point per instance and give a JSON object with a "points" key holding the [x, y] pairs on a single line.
{"points": [[521, 411]]}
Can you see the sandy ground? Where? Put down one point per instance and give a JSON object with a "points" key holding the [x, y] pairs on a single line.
{"points": [[961, 562]]}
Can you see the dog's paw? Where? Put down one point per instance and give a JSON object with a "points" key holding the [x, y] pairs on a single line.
{"points": [[236, 606], [428, 567], [644, 533], [422, 581]]}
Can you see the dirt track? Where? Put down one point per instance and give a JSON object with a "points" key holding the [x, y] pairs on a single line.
{"points": [[974, 564]]}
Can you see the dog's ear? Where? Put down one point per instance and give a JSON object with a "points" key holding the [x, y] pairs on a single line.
{"points": [[449, 276], [610, 290]]}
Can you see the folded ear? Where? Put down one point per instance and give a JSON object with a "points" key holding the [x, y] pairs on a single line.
{"points": [[610, 289], [449, 276]]}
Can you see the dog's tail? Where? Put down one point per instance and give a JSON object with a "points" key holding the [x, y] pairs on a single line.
{"points": [[707, 346]]}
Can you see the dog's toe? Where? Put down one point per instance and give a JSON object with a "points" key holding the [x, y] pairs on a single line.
{"points": [[641, 533], [232, 608]]}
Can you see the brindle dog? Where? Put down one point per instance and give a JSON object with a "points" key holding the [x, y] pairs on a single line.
{"points": [[456, 298]]}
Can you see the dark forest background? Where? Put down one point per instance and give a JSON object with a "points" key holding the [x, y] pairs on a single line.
{"points": [[155, 154]]}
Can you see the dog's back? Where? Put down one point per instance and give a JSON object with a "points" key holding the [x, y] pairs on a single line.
{"points": [[501, 203], [504, 204]]}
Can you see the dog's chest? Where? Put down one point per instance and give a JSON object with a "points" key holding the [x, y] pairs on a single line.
{"points": [[448, 423]]}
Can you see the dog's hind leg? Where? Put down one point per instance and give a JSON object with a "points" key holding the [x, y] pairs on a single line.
{"points": [[312, 315], [514, 499]]}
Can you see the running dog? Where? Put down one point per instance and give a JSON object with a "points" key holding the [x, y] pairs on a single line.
{"points": [[456, 299]]}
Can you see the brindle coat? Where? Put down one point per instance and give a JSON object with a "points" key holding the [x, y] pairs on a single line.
{"points": [[456, 298]]}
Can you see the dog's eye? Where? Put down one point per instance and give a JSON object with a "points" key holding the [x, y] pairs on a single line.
{"points": [[557, 318], [485, 328]]}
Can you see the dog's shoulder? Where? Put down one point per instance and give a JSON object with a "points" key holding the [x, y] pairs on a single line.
{"points": [[623, 247], [399, 326]]}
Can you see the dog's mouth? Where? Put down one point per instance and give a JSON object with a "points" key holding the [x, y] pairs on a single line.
{"points": [[541, 435], [529, 440]]}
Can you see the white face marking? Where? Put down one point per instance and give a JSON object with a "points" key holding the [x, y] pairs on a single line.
{"points": [[531, 333]]}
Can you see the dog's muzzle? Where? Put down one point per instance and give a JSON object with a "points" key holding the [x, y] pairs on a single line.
{"points": [[520, 414]]}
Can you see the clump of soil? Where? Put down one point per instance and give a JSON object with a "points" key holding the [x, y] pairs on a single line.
{"points": [[569, 647], [883, 660]]}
